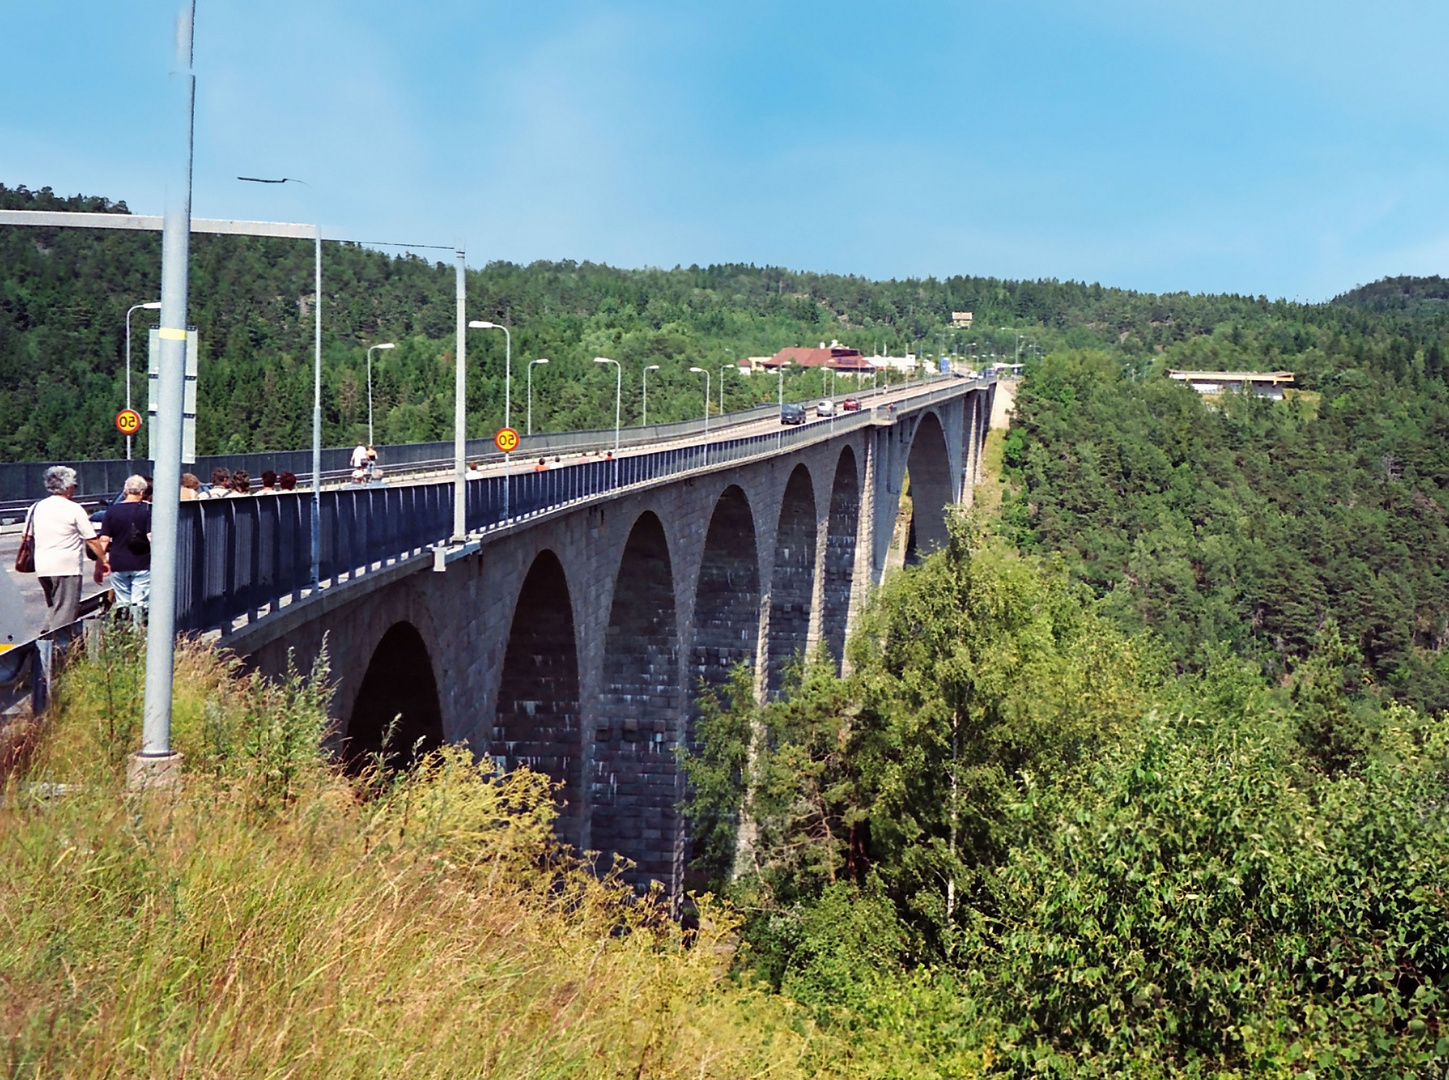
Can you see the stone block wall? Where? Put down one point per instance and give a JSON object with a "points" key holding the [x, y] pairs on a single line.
{"points": [[574, 642]]}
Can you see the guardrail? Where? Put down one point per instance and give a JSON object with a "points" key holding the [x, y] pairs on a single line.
{"points": [[242, 557], [22, 482]]}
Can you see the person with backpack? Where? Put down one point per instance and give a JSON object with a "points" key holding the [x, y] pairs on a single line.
{"points": [[127, 535]]}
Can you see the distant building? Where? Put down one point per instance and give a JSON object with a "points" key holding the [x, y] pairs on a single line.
{"points": [[1268, 384], [840, 357], [960, 320]]}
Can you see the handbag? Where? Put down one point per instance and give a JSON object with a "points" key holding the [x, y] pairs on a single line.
{"points": [[25, 557]]}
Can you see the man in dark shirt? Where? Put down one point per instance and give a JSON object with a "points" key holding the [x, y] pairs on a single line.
{"points": [[127, 533]]}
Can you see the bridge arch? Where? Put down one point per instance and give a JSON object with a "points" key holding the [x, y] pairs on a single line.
{"points": [[792, 579], [397, 686], [929, 467], [537, 718], [634, 772], [842, 527], [727, 593]]}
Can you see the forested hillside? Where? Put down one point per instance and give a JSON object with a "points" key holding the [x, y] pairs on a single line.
{"points": [[1144, 775], [1244, 525], [64, 294]]}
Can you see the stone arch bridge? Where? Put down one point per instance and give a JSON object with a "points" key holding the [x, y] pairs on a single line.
{"points": [[573, 640]]}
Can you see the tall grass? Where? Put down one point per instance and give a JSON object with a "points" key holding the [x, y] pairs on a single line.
{"points": [[276, 919]]}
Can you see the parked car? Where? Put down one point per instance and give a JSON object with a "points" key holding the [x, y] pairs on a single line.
{"points": [[851, 404], [792, 412], [826, 407]]}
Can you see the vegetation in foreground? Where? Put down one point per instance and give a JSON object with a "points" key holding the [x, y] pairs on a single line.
{"points": [[1071, 860], [277, 919]]}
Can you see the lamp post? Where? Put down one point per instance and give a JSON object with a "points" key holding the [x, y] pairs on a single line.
{"points": [[507, 364], [316, 387], [722, 371], [155, 759], [618, 400], [370, 351], [702, 371], [540, 360], [460, 396], [780, 371], [153, 306], [644, 418]]}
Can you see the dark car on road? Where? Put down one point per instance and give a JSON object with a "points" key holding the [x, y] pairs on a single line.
{"points": [[850, 404], [792, 412]]}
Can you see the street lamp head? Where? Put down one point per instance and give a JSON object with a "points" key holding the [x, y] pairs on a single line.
{"points": [[154, 305], [652, 367], [604, 360], [700, 370], [387, 345], [478, 324], [541, 360]]}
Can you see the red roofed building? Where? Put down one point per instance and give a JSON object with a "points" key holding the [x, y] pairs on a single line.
{"points": [[835, 355]]}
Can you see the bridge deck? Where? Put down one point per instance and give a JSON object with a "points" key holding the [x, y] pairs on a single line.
{"points": [[246, 559]]}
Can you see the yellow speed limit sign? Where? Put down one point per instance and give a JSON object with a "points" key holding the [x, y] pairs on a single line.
{"points": [[506, 440], [128, 421]]}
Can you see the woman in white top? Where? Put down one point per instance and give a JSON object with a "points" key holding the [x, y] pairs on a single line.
{"points": [[62, 532]]}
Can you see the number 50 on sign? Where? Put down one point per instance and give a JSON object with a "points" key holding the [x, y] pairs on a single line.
{"points": [[506, 440], [128, 421]]}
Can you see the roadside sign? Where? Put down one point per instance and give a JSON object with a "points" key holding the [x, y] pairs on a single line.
{"points": [[188, 405], [506, 440], [128, 421]]}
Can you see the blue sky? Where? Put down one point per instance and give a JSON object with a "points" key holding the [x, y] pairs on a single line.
{"points": [[1281, 147]]}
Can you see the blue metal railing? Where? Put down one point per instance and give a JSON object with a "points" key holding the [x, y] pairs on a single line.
{"points": [[242, 556], [100, 480]]}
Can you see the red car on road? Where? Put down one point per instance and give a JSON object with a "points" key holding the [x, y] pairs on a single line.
{"points": [[850, 404]]}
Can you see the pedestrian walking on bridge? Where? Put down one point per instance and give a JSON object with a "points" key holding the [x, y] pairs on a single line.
{"points": [[62, 532], [126, 533]]}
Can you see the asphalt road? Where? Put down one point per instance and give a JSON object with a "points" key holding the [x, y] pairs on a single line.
{"points": [[25, 618], [523, 463]]}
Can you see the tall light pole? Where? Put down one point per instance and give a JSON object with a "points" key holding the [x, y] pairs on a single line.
{"points": [[460, 398], [540, 360], [644, 418], [483, 324], [370, 351], [155, 763], [780, 371], [316, 386], [702, 371], [722, 371], [618, 396], [155, 305], [1018, 341]]}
